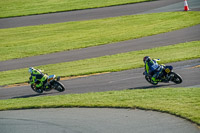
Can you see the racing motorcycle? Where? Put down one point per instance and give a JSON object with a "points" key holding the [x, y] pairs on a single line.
{"points": [[52, 83], [165, 76]]}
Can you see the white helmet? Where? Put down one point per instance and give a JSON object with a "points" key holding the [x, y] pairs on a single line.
{"points": [[30, 70]]}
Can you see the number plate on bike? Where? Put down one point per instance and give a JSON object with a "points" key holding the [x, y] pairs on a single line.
{"points": [[167, 70]]}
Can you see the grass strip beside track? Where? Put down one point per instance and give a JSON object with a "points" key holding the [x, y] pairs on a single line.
{"points": [[36, 40], [10, 8], [183, 102], [118, 62]]}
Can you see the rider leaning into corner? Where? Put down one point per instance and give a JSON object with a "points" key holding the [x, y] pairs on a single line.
{"points": [[152, 68], [37, 78]]}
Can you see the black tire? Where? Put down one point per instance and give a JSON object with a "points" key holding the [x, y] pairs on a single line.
{"points": [[148, 78], [59, 86], [37, 90], [176, 78]]}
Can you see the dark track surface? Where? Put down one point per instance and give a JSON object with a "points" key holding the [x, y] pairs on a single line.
{"points": [[174, 37], [100, 120], [91, 120], [179, 36], [130, 79], [84, 14]]}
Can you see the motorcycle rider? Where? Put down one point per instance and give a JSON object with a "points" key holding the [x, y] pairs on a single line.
{"points": [[152, 68], [37, 78]]}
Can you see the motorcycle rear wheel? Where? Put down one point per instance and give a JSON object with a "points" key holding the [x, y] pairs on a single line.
{"points": [[40, 90], [148, 78]]}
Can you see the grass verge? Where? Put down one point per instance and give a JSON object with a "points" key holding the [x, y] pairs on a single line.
{"points": [[10, 8], [118, 62], [183, 102], [36, 40]]}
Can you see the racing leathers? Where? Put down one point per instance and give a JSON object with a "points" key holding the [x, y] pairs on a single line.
{"points": [[154, 69], [38, 78]]}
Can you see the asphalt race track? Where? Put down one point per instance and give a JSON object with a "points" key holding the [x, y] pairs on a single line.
{"points": [[90, 120], [174, 37], [130, 79], [89, 14], [100, 120]]}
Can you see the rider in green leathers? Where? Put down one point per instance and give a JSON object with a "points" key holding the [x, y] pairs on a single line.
{"points": [[152, 68], [37, 78]]}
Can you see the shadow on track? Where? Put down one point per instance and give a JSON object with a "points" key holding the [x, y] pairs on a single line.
{"points": [[151, 86], [34, 95]]}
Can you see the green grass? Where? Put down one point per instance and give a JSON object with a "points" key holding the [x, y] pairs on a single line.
{"points": [[118, 62], [183, 102], [36, 40], [10, 8]]}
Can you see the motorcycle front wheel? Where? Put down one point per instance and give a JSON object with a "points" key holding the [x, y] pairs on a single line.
{"points": [[59, 86], [176, 78]]}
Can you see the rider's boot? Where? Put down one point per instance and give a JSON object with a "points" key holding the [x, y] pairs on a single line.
{"points": [[154, 80], [45, 88]]}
